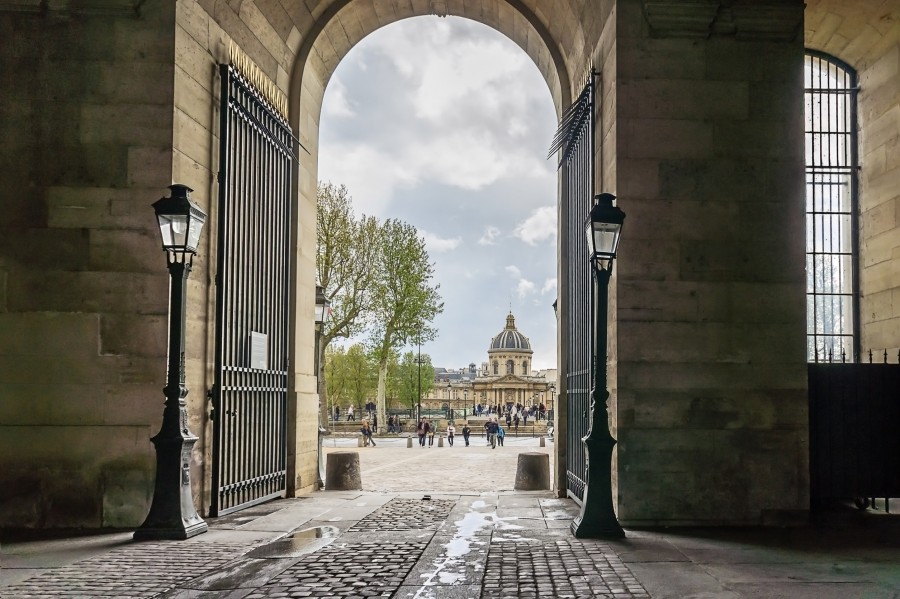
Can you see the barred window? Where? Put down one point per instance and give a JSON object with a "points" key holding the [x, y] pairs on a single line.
{"points": [[832, 233]]}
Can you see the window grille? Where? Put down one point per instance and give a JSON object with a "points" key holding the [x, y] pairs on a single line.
{"points": [[832, 232]]}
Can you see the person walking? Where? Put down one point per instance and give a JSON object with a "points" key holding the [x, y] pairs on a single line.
{"points": [[350, 415], [500, 434], [466, 431], [492, 428], [367, 434], [450, 431], [431, 431], [422, 430]]}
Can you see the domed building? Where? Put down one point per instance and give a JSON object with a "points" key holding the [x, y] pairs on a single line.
{"points": [[508, 379]]}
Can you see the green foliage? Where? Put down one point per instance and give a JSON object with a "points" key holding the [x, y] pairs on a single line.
{"points": [[343, 261], [410, 379], [350, 376]]}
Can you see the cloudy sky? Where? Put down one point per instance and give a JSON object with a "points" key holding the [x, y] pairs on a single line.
{"points": [[445, 123]]}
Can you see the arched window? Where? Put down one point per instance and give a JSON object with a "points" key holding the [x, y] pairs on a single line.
{"points": [[525, 367], [832, 223], [510, 367], [496, 367]]}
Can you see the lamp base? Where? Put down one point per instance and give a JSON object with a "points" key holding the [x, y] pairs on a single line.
{"points": [[582, 529], [172, 533]]}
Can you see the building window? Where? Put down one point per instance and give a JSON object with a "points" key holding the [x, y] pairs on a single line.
{"points": [[525, 367], [510, 367], [496, 367], [832, 233]]}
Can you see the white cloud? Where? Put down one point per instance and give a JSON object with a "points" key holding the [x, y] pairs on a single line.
{"points": [[549, 286], [540, 226], [439, 244], [338, 105], [514, 270], [524, 287], [490, 236]]}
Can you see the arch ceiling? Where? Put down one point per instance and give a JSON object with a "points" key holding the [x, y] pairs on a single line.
{"points": [[858, 32], [340, 24]]}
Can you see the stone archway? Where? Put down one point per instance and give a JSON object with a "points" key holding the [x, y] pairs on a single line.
{"points": [[346, 22]]}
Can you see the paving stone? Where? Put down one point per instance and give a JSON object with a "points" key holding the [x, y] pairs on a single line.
{"points": [[406, 514]]}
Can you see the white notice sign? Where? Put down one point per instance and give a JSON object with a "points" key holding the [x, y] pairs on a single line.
{"points": [[259, 350]]}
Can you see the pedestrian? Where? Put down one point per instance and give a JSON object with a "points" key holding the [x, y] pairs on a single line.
{"points": [[500, 434], [450, 431], [508, 419], [431, 430], [390, 424], [487, 431], [337, 413], [375, 422], [350, 415], [466, 431], [367, 434], [422, 430], [492, 427], [525, 418], [516, 422]]}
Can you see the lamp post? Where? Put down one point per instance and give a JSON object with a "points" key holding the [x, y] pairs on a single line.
{"points": [[598, 517], [172, 513], [323, 311], [465, 402], [449, 400], [419, 383]]}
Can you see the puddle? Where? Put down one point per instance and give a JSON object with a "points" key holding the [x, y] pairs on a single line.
{"points": [[297, 543]]}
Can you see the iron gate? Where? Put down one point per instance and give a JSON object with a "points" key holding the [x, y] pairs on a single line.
{"points": [[252, 299], [575, 138], [854, 416]]}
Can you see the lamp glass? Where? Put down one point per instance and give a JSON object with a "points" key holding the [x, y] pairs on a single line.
{"points": [[180, 220]]}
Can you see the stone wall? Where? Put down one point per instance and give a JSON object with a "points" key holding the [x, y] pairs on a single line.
{"points": [[866, 35], [86, 123], [711, 372]]}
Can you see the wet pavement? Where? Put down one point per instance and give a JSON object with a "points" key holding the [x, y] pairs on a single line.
{"points": [[462, 544]]}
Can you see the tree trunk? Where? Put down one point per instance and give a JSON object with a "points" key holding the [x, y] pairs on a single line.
{"points": [[382, 380]]}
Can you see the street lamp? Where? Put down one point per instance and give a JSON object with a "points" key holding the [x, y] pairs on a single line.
{"points": [[598, 517], [465, 402], [323, 311], [449, 400], [419, 382], [172, 513]]}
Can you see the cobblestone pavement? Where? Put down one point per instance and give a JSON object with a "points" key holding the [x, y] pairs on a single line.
{"points": [[138, 570], [406, 514]]}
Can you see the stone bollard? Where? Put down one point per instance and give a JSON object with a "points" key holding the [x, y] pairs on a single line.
{"points": [[440, 440], [409, 441], [342, 471], [360, 441], [533, 471], [543, 442]]}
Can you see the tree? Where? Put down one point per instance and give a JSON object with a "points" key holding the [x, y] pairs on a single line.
{"points": [[351, 376], [413, 380], [403, 301], [343, 268]]}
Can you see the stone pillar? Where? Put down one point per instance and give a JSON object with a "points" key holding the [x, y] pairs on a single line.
{"points": [[708, 370]]}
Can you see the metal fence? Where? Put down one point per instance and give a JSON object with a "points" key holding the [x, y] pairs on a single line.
{"points": [[252, 300], [574, 139], [854, 417]]}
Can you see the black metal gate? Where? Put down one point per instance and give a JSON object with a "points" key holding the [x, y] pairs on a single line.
{"points": [[252, 299], [854, 419], [575, 138]]}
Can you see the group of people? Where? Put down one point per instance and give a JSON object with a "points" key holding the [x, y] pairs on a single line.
{"points": [[426, 428], [514, 413]]}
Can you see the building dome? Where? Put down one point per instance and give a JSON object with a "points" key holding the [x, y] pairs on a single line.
{"points": [[510, 338]]}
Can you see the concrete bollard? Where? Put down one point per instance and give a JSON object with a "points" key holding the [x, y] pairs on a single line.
{"points": [[360, 441], [409, 441], [543, 442], [342, 471], [440, 440], [533, 472]]}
